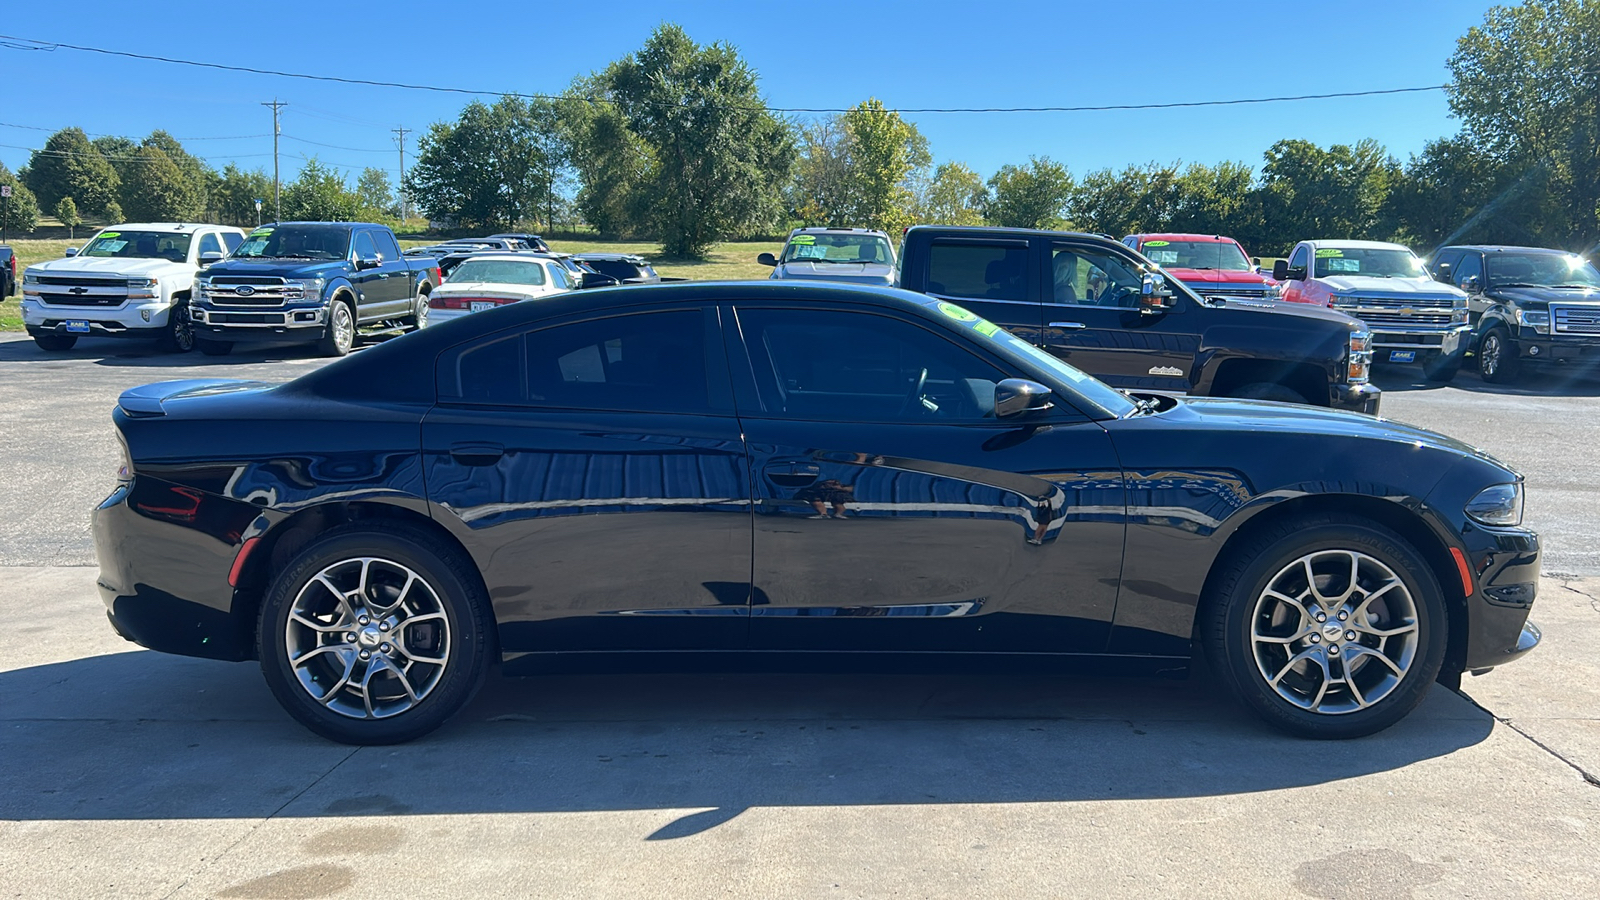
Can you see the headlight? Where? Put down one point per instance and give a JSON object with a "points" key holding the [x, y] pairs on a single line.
{"points": [[29, 278], [1458, 316], [143, 288], [1497, 505], [1274, 292], [303, 289], [1360, 368], [1538, 320], [124, 467], [199, 290]]}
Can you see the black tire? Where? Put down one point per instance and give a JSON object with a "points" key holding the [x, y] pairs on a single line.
{"points": [[418, 319], [448, 578], [213, 348], [1266, 390], [1498, 362], [55, 343], [341, 333], [1229, 612], [179, 334], [1442, 368]]}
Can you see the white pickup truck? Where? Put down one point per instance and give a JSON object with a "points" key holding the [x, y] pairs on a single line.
{"points": [[130, 280]]}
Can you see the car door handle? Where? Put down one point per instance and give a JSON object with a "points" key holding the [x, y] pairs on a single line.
{"points": [[1072, 325], [383, 274], [481, 453], [792, 475]]}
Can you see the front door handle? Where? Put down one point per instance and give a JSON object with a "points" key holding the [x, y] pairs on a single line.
{"points": [[1070, 325], [477, 453], [792, 475]]}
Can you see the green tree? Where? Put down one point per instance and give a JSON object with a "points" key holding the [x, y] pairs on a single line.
{"points": [[69, 166], [954, 196], [1031, 196], [886, 152], [202, 179], [118, 151], [820, 192], [611, 161], [234, 200], [157, 190], [1340, 192], [374, 194], [492, 168], [1525, 84], [114, 213], [719, 158], [319, 194], [67, 214], [21, 209]]}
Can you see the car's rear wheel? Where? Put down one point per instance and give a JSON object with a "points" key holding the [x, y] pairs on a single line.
{"points": [[55, 343], [1327, 626], [1497, 356], [1266, 390], [341, 334], [213, 348], [374, 636]]}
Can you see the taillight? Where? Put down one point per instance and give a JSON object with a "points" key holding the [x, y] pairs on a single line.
{"points": [[437, 302]]}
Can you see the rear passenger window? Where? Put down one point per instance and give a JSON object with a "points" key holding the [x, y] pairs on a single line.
{"points": [[648, 362], [231, 240], [492, 372], [987, 271]]}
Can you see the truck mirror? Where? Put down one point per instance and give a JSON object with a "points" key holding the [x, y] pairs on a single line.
{"points": [[1472, 284], [368, 262], [1441, 273], [1280, 270], [1154, 295], [767, 259], [209, 257], [72, 251]]}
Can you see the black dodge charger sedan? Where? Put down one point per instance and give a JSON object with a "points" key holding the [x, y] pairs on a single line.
{"points": [[780, 468]]}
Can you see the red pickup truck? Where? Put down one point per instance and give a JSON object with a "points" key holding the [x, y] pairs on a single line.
{"points": [[1208, 264]]}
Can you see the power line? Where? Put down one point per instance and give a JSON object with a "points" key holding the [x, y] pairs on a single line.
{"points": [[51, 46], [231, 137], [290, 137], [115, 157]]}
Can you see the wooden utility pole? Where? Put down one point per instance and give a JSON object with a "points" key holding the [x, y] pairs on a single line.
{"points": [[400, 138], [277, 191]]}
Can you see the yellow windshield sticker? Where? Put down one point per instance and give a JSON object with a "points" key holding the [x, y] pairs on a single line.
{"points": [[803, 239], [1329, 253], [956, 312], [109, 234], [986, 328], [1156, 243]]}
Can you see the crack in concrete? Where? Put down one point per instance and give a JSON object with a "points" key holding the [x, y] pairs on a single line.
{"points": [[1589, 777], [1594, 602]]}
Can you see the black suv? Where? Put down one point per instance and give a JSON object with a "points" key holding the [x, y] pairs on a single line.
{"points": [[1526, 305], [1111, 312]]}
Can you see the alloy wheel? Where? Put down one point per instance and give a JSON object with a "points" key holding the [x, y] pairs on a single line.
{"points": [[1335, 632], [368, 638], [1489, 355], [344, 328]]}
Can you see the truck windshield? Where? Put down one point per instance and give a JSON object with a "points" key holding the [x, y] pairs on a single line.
{"points": [[1544, 269], [1224, 255], [838, 248], [296, 242], [139, 245], [1373, 262]]}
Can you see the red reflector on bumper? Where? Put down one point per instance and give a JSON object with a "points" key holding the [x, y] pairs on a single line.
{"points": [[239, 561], [1465, 570]]}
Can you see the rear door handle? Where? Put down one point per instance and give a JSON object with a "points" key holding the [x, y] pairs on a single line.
{"points": [[479, 453], [1071, 325]]}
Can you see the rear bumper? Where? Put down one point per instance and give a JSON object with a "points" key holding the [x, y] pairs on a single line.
{"points": [[1361, 398]]}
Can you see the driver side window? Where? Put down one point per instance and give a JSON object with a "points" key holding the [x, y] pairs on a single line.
{"points": [[364, 247], [1088, 276], [1471, 266], [1301, 259]]}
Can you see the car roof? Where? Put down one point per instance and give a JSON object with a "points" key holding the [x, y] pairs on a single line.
{"points": [[1002, 232], [1357, 245], [828, 229], [611, 257], [1497, 248], [1181, 236], [510, 255], [168, 226]]}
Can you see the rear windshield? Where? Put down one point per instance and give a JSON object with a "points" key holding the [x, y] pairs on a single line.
{"points": [[498, 271], [139, 245], [296, 242], [1197, 255]]}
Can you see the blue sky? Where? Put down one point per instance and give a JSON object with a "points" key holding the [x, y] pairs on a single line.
{"points": [[936, 54]]}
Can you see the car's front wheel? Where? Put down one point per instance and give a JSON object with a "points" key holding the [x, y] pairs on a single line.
{"points": [[374, 636], [55, 343], [1497, 356], [1327, 626]]}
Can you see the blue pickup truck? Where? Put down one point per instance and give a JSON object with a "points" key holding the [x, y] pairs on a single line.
{"points": [[305, 282]]}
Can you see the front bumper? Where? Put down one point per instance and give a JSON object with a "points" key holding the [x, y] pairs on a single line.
{"points": [[1361, 398], [1568, 348], [1504, 563], [283, 325], [146, 319], [1422, 345]]}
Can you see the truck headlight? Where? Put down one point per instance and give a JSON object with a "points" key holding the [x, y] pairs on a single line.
{"points": [[303, 289], [143, 288], [1274, 292], [1538, 320], [1458, 316], [1497, 505], [30, 284], [199, 290], [1360, 366]]}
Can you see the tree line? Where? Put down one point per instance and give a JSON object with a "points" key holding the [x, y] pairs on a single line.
{"points": [[675, 143]]}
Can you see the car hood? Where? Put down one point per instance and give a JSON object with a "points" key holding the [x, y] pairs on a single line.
{"points": [[1368, 284], [1265, 416], [1539, 297], [287, 268], [1298, 310], [1217, 276], [859, 273], [111, 265]]}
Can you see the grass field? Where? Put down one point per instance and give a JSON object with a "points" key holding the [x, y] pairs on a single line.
{"points": [[731, 261]]}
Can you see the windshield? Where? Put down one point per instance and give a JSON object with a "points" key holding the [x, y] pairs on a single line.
{"points": [[1092, 389], [1545, 269], [1224, 255], [498, 271], [296, 242], [139, 245], [838, 248], [1374, 262]]}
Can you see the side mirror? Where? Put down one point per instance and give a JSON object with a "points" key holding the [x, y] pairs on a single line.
{"points": [[1472, 284], [72, 251], [595, 279], [209, 257], [1441, 273], [767, 259], [1280, 270], [1154, 295], [368, 262], [1015, 396], [1255, 261]]}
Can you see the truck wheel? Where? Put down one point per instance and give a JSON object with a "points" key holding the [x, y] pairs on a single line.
{"points": [[55, 342], [1326, 625], [374, 635], [1497, 356], [213, 348], [1265, 390], [419, 316], [179, 334], [1442, 368], [341, 334]]}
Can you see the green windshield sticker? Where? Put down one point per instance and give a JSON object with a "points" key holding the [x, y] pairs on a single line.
{"points": [[1156, 243], [109, 234], [956, 312], [261, 232], [1329, 253], [986, 328], [803, 239]]}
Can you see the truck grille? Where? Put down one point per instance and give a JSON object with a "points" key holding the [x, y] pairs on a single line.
{"points": [[249, 290], [1576, 319], [81, 290], [1399, 312], [1247, 291]]}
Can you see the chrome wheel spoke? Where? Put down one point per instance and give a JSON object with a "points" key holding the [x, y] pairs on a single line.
{"points": [[342, 625], [300, 660], [344, 679], [1358, 650]]}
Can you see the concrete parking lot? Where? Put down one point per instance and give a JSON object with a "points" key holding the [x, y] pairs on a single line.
{"points": [[130, 773]]}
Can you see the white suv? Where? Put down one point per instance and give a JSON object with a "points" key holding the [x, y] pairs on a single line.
{"points": [[130, 280]]}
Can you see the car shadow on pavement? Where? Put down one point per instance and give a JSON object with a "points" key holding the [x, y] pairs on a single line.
{"points": [[145, 354], [146, 736], [1554, 381]]}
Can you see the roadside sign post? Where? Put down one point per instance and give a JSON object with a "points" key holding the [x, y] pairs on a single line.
{"points": [[5, 211], [258, 212]]}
